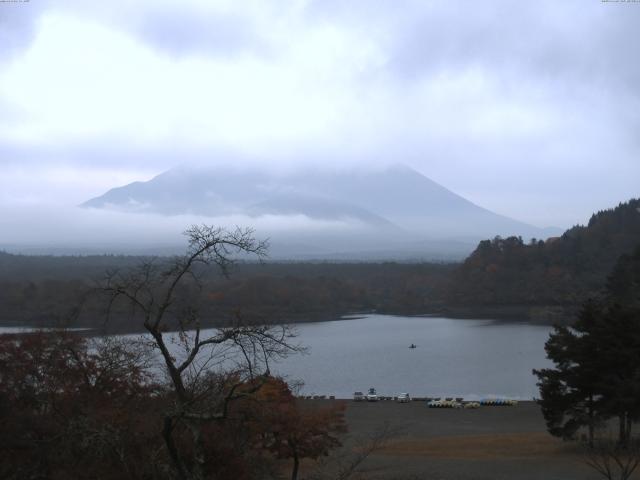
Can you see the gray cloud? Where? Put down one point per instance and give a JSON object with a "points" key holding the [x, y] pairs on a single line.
{"points": [[17, 27], [177, 28], [568, 68], [180, 32], [587, 40]]}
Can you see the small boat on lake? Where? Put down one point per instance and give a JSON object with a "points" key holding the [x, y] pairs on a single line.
{"points": [[413, 345]]}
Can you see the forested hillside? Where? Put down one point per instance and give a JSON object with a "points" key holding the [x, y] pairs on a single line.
{"points": [[561, 271]]}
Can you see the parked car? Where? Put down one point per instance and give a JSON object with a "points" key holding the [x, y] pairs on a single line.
{"points": [[358, 397], [372, 396], [404, 398]]}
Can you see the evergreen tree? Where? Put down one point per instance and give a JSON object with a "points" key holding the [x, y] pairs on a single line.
{"points": [[623, 285], [569, 393], [597, 361]]}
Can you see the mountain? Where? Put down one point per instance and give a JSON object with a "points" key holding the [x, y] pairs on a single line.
{"points": [[395, 209], [563, 271]]}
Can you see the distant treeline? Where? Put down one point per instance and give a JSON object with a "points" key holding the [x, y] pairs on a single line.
{"points": [[46, 290], [503, 276]]}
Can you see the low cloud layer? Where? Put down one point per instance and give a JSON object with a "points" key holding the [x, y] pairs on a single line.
{"points": [[68, 230]]}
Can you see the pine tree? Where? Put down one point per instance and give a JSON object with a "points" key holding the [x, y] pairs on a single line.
{"points": [[569, 393], [597, 361]]}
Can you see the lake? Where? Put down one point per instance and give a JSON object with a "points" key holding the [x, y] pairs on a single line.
{"points": [[453, 358], [461, 358]]}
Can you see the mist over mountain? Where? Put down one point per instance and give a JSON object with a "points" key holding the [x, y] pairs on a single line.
{"points": [[392, 212]]}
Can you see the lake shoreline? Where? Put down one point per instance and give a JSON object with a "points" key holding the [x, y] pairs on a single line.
{"points": [[508, 314], [451, 358]]}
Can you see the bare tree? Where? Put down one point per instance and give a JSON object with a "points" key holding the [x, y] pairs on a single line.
{"points": [[612, 460], [349, 463], [207, 369]]}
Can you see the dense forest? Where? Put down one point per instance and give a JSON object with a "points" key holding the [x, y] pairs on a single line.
{"points": [[46, 290], [543, 280], [559, 273]]}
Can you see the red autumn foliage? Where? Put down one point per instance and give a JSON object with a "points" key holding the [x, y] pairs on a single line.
{"points": [[293, 429], [70, 412], [71, 408]]}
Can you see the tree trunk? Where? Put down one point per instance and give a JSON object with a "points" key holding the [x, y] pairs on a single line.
{"points": [[296, 465], [591, 421], [197, 472], [167, 433], [622, 430]]}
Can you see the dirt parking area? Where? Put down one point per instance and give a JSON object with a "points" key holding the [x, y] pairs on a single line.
{"points": [[488, 443]]}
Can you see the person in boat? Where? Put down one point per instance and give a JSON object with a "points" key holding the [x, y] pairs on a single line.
{"points": [[413, 345]]}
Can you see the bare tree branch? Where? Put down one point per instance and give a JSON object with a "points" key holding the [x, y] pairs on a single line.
{"points": [[153, 291]]}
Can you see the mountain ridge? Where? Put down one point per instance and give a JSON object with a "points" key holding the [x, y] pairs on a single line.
{"points": [[376, 209]]}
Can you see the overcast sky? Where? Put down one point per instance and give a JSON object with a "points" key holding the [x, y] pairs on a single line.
{"points": [[528, 108]]}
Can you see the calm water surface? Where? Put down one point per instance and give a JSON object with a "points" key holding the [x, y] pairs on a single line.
{"points": [[469, 358], [462, 358]]}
